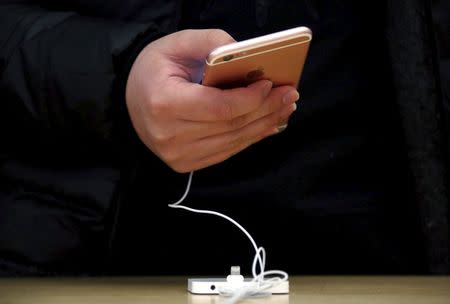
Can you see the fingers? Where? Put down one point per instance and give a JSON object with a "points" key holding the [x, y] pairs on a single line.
{"points": [[194, 102], [241, 137], [211, 150], [274, 102]]}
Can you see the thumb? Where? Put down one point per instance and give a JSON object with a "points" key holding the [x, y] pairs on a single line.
{"points": [[197, 44]]}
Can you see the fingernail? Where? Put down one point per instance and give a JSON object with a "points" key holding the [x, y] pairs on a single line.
{"points": [[290, 97], [288, 110], [282, 127]]}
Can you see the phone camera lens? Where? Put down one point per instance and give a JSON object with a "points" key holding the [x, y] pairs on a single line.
{"points": [[228, 57]]}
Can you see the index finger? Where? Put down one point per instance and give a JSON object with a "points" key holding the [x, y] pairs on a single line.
{"points": [[195, 102]]}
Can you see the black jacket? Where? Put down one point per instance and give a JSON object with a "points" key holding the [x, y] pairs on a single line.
{"points": [[68, 146]]}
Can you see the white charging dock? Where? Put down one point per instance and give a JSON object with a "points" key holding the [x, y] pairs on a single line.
{"points": [[234, 281]]}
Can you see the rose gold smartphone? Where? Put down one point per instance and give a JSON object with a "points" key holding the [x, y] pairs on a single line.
{"points": [[278, 57]]}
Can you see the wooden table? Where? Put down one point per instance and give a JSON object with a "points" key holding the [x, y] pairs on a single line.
{"points": [[155, 290]]}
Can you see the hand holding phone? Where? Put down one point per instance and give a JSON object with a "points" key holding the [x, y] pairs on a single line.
{"points": [[278, 57], [191, 126]]}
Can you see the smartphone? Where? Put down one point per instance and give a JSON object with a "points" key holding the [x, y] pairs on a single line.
{"points": [[278, 57]]}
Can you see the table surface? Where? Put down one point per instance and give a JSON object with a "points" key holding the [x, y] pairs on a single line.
{"points": [[155, 290]]}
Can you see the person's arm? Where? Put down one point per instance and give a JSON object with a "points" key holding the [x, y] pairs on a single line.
{"points": [[66, 77], [63, 74]]}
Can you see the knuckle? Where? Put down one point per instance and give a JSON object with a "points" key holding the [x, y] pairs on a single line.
{"points": [[158, 107], [217, 35]]}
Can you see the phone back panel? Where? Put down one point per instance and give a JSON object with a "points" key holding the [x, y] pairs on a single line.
{"points": [[282, 65]]}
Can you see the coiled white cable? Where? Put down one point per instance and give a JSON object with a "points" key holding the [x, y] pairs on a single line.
{"points": [[259, 284]]}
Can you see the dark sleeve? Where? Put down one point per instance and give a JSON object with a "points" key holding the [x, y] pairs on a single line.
{"points": [[441, 18], [63, 75]]}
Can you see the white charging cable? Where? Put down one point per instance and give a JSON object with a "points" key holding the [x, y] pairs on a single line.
{"points": [[259, 284]]}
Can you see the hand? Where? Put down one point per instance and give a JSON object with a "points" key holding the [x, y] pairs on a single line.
{"points": [[190, 126]]}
